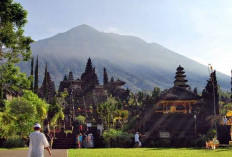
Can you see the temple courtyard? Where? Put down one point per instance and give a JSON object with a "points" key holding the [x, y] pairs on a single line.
{"points": [[131, 152]]}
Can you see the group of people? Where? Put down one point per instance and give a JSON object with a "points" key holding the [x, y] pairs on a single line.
{"points": [[84, 141]]}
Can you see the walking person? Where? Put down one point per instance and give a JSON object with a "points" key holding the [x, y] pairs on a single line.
{"points": [[38, 143], [136, 140]]}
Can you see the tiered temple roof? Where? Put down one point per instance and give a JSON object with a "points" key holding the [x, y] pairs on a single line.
{"points": [[178, 93], [180, 78]]}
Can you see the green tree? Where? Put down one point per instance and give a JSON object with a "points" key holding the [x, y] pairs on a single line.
{"points": [[36, 81], [133, 101], [224, 108], [12, 79], [156, 92], [20, 114], [32, 73], [7, 123], [25, 115], [55, 113], [106, 111], [105, 77], [41, 105], [120, 116], [14, 46], [80, 119]]}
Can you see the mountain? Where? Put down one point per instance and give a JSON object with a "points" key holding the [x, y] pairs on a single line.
{"points": [[140, 64]]}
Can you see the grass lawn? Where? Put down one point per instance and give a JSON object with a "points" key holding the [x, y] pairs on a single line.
{"points": [[149, 152]]}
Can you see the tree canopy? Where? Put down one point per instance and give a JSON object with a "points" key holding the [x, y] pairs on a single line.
{"points": [[14, 46], [106, 111], [21, 113]]}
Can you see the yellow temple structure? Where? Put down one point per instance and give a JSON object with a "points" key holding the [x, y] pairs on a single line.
{"points": [[178, 99]]}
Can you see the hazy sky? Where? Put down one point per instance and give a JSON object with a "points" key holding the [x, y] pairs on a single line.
{"points": [[198, 29]]}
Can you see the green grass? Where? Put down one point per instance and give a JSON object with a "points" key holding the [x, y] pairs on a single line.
{"points": [[149, 152]]}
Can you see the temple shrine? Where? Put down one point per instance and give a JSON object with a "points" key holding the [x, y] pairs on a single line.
{"points": [[178, 99], [173, 115]]}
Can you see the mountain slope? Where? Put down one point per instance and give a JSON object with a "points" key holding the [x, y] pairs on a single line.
{"points": [[142, 65]]}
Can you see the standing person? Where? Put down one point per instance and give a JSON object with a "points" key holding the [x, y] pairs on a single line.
{"points": [[224, 120], [80, 140], [89, 140], [38, 143], [84, 138], [92, 140], [77, 141], [80, 128], [136, 140]]}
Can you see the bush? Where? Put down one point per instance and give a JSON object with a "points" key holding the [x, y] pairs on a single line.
{"points": [[80, 119], [200, 141], [117, 138], [14, 142], [165, 142], [154, 144]]}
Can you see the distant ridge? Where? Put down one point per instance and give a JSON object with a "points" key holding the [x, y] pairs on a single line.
{"points": [[141, 65]]}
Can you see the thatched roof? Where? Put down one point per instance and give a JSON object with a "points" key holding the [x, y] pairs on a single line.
{"points": [[178, 93]]}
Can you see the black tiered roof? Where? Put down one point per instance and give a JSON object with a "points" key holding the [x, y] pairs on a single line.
{"points": [[178, 93], [180, 68], [180, 78]]}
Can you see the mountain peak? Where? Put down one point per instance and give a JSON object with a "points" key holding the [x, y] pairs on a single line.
{"points": [[83, 27]]}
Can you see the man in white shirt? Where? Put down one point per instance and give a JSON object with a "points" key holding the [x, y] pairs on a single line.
{"points": [[38, 143], [136, 140]]}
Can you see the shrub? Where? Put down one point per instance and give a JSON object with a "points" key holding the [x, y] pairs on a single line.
{"points": [[80, 119], [13, 142], [165, 142], [117, 138], [200, 141]]}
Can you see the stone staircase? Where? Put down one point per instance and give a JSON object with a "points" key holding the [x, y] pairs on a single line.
{"points": [[61, 141]]}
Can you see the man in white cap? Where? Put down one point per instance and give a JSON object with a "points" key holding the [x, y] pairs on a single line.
{"points": [[38, 143]]}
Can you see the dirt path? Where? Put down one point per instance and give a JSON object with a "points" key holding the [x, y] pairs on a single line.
{"points": [[23, 153]]}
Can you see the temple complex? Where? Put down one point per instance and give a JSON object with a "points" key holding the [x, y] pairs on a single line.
{"points": [[175, 114], [86, 93]]}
